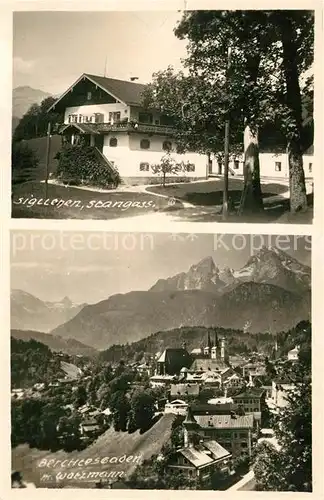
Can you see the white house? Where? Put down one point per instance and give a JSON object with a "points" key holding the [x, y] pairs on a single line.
{"points": [[177, 407], [293, 354], [109, 114], [272, 164]]}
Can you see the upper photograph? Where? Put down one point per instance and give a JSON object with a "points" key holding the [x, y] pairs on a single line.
{"points": [[156, 117]]}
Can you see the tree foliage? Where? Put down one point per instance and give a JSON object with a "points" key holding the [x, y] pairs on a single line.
{"points": [[269, 50], [23, 160], [35, 121], [290, 468], [81, 164]]}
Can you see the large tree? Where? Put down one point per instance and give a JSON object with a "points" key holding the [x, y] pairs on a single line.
{"points": [[296, 33], [290, 468], [35, 121], [250, 92]]}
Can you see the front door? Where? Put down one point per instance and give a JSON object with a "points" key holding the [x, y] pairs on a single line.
{"points": [[99, 142]]}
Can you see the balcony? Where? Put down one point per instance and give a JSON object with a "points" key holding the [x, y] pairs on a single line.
{"points": [[129, 127]]}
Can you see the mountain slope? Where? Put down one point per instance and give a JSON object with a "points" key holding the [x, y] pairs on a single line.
{"points": [[68, 346], [130, 317], [30, 313], [201, 276], [268, 265], [274, 266], [23, 97], [110, 444]]}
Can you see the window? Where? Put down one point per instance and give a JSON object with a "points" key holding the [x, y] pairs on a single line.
{"points": [[236, 164], [89, 96], [145, 118], [99, 117], [113, 142], [144, 167], [80, 119], [145, 144], [278, 166], [114, 117], [310, 167], [256, 409], [243, 445], [73, 118], [167, 146]]}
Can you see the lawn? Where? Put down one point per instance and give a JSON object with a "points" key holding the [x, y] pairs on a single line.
{"points": [[207, 197], [211, 192], [71, 203]]}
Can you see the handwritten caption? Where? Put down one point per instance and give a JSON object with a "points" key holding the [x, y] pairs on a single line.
{"points": [[61, 203], [83, 474]]}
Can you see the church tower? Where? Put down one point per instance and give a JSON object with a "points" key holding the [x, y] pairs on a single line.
{"points": [[207, 349], [214, 348], [190, 426], [222, 349]]}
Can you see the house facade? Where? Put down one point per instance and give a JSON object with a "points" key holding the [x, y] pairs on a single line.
{"points": [[272, 164], [109, 114]]}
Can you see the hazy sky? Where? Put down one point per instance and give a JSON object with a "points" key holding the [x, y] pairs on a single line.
{"points": [[89, 267], [52, 49]]}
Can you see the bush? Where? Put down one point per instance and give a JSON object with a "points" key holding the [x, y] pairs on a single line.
{"points": [[23, 159], [82, 165]]}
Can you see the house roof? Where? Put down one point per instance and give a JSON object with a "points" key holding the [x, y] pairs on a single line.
{"points": [[214, 409], [225, 421], [208, 365], [184, 389], [178, 402], [190, 419], [254, 392], [309, 151], [217, 450], [127, 92], [196, 457]]}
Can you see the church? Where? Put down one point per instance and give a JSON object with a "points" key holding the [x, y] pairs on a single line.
{"points": [[213, 357]]}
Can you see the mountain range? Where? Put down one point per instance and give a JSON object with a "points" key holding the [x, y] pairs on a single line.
{"points": [[30, 313], [55, 343], [23, 97], [271, 292]]}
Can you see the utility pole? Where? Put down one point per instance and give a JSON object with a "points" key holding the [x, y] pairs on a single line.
{"points": [[226, 144], [48, 148]]}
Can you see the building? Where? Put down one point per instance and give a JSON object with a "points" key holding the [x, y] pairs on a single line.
{"points": [[186, 391], [279, 394], [252, 400], [234, 380], [109, 114], [293, 354], [232, 431], [198, 458], [162, 380], [172, 360], [212, 358], [178, 407], [272, 164], [253, 369], [90, 428]]}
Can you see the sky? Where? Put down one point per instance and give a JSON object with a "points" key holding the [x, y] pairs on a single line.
{"points": [[89, 267], [52, 49]]}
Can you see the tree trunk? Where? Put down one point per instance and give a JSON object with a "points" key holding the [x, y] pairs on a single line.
{"points": [[251, 200], [298, 198]]}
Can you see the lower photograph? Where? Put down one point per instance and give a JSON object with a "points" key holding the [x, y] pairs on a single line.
{"points": [[161, 361]]}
